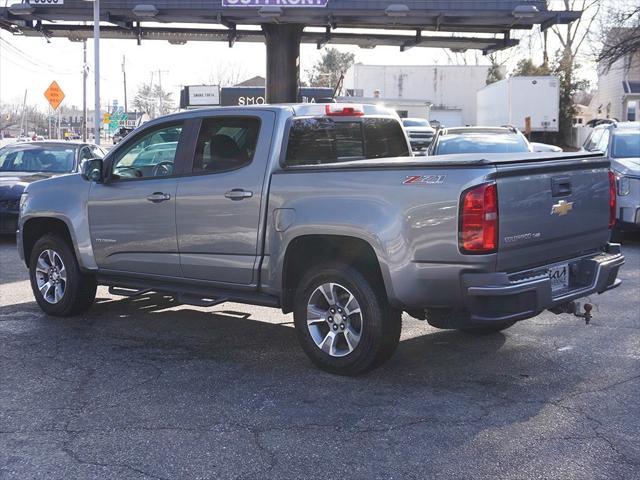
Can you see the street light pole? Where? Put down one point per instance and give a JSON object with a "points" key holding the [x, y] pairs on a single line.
{"points": [[84, 91], [96, 69]]}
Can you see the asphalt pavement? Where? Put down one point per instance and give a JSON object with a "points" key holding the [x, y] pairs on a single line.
{"points": [[145, 389]]}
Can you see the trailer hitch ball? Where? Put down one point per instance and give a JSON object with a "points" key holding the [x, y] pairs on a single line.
{"points": [[588, 308], [575, 309]]}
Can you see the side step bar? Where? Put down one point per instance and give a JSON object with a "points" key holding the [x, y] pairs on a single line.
{"points": [[128, 292], [197, 301], [185, 293]]}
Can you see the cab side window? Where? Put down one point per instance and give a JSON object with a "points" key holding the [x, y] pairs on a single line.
{"points": [[603, 144], [97, 152], [225, 143], [151, 155], [85, 154], [592, 142]]}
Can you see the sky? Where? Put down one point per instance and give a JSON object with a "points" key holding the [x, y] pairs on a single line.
{"points": [[31, 64]]}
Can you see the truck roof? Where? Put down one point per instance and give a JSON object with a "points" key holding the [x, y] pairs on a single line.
{"points": [[480, 130], [294, 109]]}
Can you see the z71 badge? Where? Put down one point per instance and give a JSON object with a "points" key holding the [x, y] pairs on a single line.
{"points": [[425, 180]]}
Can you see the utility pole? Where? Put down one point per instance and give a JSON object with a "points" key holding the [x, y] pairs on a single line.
{"points": [[85, 74], [24, 112], [96, 69], [160, 72], [124, 78]]}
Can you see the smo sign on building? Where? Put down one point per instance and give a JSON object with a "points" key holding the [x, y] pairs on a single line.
{"points": [[205, 96]]}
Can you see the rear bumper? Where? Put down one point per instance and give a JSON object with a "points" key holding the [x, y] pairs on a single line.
{"points": [[500, 297], [629, 218]]}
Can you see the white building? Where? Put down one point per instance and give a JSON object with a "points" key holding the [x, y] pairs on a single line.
{"points": [[619, 90], [446, 93]]}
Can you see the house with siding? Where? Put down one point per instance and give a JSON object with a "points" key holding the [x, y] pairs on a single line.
{"points": [[618, 93]]}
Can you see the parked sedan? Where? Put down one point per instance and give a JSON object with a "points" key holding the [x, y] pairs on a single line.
{"points": [[27, 162], [420, 133], [479, 140], [621, 143]]}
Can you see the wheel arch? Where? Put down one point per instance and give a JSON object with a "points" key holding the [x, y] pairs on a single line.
{"points": [[36, 227], [351, 250]]}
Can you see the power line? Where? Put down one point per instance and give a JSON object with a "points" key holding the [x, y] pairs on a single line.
{"points": [[33, 61]]}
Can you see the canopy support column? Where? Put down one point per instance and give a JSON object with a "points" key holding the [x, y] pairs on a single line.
{"points": [[283, 61]]}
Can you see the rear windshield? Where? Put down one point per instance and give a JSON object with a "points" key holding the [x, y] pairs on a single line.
{"points": [[626, 144], [481, 143], [315, 141], [38, 158]]}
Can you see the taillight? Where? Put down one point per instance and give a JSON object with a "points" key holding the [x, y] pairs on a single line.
{"points": [[479, 220], [612, 199]]}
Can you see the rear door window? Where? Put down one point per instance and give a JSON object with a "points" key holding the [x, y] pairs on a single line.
{"points": [[316, 141], [385, 138], [226, 143]]}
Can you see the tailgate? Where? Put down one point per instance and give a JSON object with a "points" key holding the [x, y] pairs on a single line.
{"points": [[551, 210]]}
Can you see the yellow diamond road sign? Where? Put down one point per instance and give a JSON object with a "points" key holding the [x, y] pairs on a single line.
{"points": [[54, 95]]}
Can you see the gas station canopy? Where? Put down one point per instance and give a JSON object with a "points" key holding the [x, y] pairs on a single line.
{"points": [[284, 24], [497, 16]]}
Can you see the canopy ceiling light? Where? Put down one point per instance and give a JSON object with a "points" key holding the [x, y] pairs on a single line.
{"points": [[21, 9], [145, 11], [397, 10], [525, 11], [270, 12]]}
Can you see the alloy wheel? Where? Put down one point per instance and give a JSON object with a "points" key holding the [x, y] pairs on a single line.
{"points": [[51, 276], [334, 319]]}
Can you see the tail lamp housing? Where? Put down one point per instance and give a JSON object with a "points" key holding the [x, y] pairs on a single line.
{"points": [[612, 200], [478, 232]]}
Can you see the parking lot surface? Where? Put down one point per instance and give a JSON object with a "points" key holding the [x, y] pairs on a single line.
{"points": [[142, 388]]}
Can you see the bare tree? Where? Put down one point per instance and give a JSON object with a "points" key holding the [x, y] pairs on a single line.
{"points": [[619, 33], [572, 39], [153, 100], [573, 36], [227, 74]]}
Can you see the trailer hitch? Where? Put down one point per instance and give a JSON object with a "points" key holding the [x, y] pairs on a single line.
{"points": [[575, 309]]}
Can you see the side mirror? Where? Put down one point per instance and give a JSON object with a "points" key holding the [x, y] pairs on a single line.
{"points": [[92, 170]]}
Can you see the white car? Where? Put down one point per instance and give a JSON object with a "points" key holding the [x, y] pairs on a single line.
{"points": [[545, 147]]}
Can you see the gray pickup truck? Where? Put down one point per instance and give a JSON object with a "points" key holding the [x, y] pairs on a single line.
{"points": [[321, 211]]}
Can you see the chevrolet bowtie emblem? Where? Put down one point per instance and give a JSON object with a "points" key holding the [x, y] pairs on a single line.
{"points": [[562, 208]]}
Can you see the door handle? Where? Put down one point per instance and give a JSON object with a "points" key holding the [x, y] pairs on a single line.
{"points": [[561, 186], [238, 194], [158, 197]]}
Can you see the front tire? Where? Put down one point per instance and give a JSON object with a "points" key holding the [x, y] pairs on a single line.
{"points": [[60, 288], [344, 321]]}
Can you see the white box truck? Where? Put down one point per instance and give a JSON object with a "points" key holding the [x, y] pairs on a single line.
{"points": [[511, 101]]}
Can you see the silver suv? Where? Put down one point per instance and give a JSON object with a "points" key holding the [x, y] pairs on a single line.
{"points": [[621, 143]]}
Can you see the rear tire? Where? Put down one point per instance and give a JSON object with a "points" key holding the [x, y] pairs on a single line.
{"points": [[60, 288], [353, 333], [488, 329]]}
